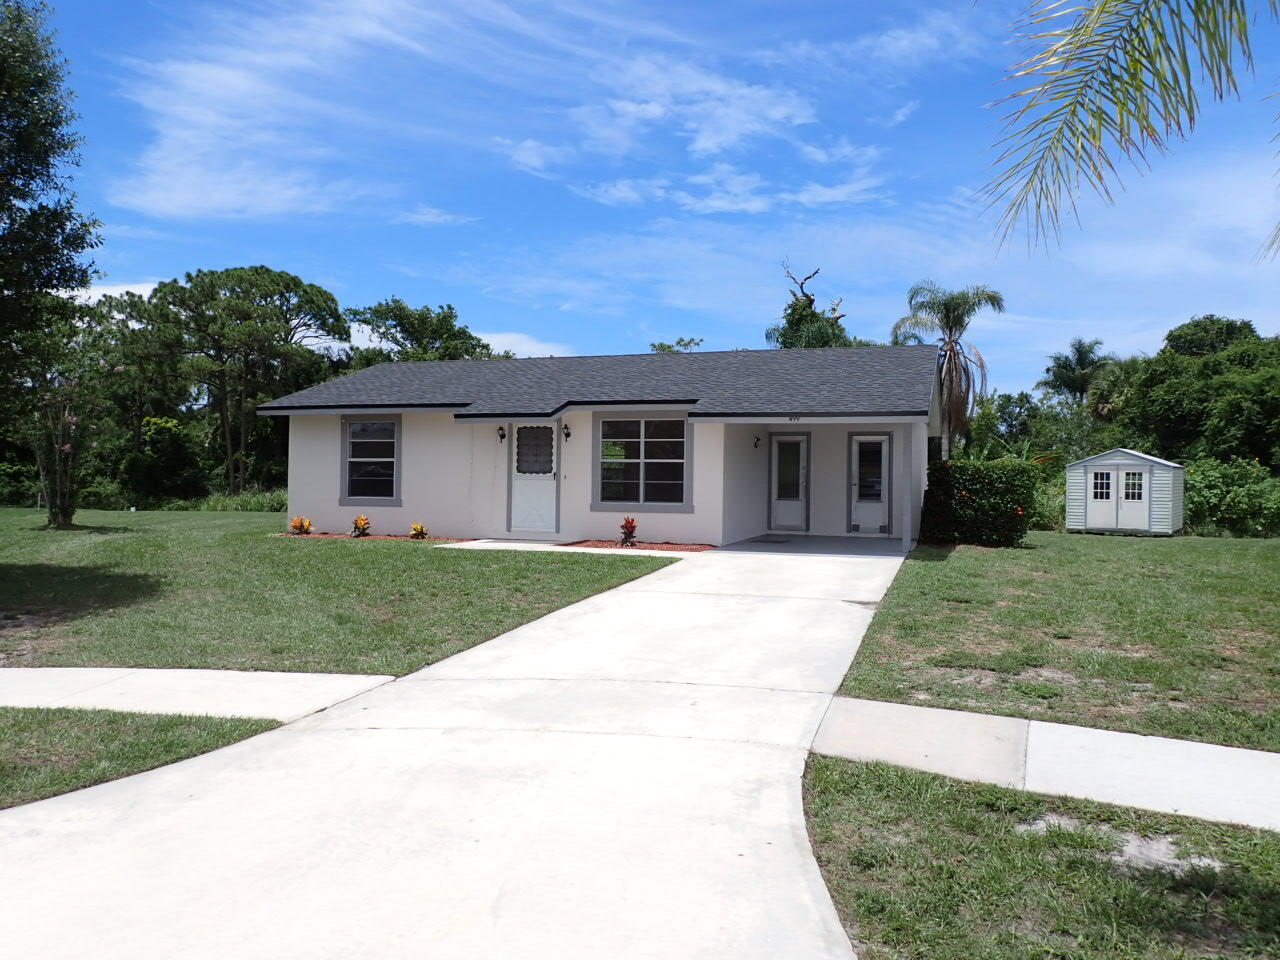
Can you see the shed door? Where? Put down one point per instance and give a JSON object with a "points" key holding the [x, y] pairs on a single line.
{"points": [[1100, 498], [1133, 492]]}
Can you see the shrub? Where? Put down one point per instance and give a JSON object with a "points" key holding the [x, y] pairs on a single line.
{"points": [[628, 528], [19, 483], [102, 493], [1238, 497], [417, 531], [251, 501], [360, 526], [1050, 510], [300, 526], [987, 502]]}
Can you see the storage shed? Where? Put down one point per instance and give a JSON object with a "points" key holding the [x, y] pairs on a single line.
{"points": [[1124, 490]]}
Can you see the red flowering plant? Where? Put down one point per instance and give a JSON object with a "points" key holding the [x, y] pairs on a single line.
{"points": [[628, 528]]}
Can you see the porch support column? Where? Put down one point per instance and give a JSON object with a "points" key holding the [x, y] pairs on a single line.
{"points": [[915, 457]]}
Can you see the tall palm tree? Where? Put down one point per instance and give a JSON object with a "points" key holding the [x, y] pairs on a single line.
{"points": [[1111, 79], [1112, 386], [962, 373], [1072, 372]]}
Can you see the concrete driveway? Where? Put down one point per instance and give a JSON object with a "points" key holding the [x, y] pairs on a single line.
{"points": [[618, 779]]}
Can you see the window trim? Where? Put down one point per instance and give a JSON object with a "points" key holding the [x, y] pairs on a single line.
{"points": [[1129, 486], [1096, 487], [344, 436], [633, 506]]}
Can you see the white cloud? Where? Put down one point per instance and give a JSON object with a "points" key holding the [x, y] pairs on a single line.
{"points": [[857, 188], [534, 156], [840, 151], [727, 191], [524, 345], [99, 290], [625, 192], [425, 216], [895, 51], [898, 116]]}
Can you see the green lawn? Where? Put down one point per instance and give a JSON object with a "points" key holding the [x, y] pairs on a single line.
{"points": [[928, 868], [44, 752], [216, 590], [1178, 637]]}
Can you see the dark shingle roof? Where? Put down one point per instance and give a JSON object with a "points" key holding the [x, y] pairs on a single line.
{"points": [[858, 381]]}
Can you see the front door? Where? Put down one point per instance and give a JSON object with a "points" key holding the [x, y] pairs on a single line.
{"points": [[789, 482], [1131, 505], [869, 486], [533, 478]]}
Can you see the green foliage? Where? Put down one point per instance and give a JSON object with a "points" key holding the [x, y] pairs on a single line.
{"points": [[805, 326], [43, 239], [682, 345], [103, 493], [1239, 497], [19, 483], [1049, 511], [988, 502], [166, 466], [421, 333], [247, 501], [1206, 334], [1071, 373]]}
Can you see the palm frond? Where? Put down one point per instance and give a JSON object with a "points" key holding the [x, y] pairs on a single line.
{"points": [[1112, 78], [914, 325]]}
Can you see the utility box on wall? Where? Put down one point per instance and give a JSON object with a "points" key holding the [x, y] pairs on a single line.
{"points": [[1125, 491]]}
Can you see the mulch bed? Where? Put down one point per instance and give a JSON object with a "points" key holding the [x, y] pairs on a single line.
{"points": [[372, 536], [642, 545]]}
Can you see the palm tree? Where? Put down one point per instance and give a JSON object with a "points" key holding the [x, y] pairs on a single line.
{"points": [[1112, 386], [962, 373], [1072, 372], [1109, 79]]}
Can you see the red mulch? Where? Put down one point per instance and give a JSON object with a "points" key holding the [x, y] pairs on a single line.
{"points": [[372, 536], [642, 545]]}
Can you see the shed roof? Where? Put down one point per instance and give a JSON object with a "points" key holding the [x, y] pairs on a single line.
{"points": [[1132, 453], [859, 381]]}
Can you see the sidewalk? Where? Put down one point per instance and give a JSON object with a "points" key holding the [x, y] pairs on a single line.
{"points": [[215, 693], [1154, 773]]}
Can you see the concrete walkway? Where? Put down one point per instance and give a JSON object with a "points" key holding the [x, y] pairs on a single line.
{"points": [[1155, 773], [215, 693], [619, 779]]}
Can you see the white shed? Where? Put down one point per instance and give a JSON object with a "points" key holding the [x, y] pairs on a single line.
{"points": [[1124, 490]]}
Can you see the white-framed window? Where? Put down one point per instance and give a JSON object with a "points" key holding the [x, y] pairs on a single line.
{"points": [[642, 460], [370, 459], [1102, 485], [1133, 485]]}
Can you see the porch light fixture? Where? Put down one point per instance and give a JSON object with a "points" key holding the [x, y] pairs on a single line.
{"points": [[756, 444], [502, 434], [564, 429]]}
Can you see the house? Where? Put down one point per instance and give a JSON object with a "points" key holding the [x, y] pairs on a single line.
{"points": [[711, 447], [1125, 490]]}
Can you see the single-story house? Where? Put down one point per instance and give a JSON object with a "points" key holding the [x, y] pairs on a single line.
{"points": [[712, 447]]}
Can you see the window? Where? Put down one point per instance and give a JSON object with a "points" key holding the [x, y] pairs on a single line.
{"points": [[871, 470], [642, 461], [371, 459], [1102, 485], [1133, 485], [788, 470], [534, 450]]}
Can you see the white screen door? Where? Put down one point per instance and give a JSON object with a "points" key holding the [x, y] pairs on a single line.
{"points": [[1100, 498], [533, 478], [869, 486], [789, 483]]}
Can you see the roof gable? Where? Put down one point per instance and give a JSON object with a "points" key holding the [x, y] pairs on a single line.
{"points": [[1133, 453]]}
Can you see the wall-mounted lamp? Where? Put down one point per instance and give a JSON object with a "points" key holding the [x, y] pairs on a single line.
{"points": [[565, 431], [757, 443], [502, 434]]}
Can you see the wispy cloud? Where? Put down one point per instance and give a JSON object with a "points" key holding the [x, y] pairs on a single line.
{"points": [[425, 216], [534, 156], [524, 345], [899, 116]]}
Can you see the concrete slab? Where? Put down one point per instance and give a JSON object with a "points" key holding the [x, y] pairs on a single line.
{"points": [[744, 714], [396, 844], [1156, 773], [777, 643], [554, 547], [861, 579], [218, 693], [970, 746]]}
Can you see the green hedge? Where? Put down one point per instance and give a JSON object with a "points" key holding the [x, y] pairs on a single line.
{"points": [[1237, 497], [253, 501], [987, 502]]}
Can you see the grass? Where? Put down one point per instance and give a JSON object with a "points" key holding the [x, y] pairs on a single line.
{"points": [[928, 868], [216, 590], [1178, 637], [44, 752]]}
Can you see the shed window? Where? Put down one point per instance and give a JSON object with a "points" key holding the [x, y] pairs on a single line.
{"points": [[1133, 485], [642, 461], [371, 458], [1102, 485]]}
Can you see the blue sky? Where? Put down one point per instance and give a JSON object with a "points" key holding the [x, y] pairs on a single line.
{"points": [[588, 176]]}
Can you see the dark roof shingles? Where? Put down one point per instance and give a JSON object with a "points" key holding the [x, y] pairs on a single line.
{"points": [[861, 380]]}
